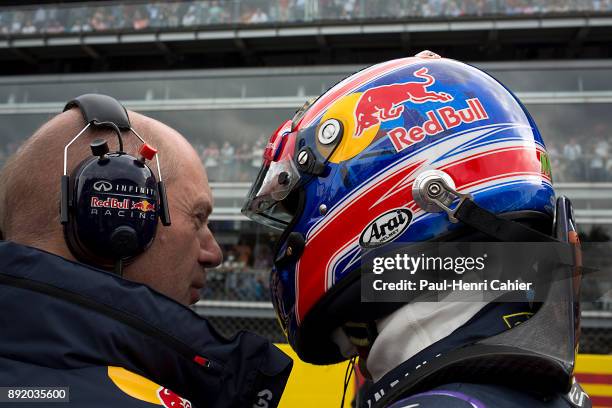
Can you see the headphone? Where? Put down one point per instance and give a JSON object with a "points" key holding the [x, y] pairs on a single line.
{"points": [[111, 202]]}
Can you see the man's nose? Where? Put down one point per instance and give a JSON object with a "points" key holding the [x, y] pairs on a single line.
{"points": [[210, 253]]}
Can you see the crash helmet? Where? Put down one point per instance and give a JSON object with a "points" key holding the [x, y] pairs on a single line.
{"points": [[347, 172]]}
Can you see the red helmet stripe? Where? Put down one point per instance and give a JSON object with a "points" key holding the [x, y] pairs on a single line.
{"points": [[467, 172]]}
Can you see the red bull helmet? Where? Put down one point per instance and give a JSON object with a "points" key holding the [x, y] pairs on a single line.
{"points": [[388, 155]]}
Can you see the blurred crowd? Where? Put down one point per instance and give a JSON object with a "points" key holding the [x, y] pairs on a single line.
{"points": [[243, 275], [578, 159], [228, 162], [246, 286], [581, 159], [88, 17]]}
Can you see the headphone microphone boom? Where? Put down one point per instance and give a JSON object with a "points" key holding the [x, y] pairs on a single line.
{"points": [[111, 202]]}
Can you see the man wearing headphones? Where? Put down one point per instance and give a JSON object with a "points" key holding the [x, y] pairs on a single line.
{"points": [[94, 295]]}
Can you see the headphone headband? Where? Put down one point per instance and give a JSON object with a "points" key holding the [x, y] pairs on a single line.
{"points": [[99, 109]]}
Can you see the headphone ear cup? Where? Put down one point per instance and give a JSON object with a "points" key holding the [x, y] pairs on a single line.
{"points": [[124, 242], [114, 210]]}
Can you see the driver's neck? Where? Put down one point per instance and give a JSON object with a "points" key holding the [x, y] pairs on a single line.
{"points": [[412, 328]]}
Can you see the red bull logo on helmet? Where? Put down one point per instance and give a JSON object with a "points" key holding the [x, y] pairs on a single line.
{"points": [[439, 120], [385, 102]]}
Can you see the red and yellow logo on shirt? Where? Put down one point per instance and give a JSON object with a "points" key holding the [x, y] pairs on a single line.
{"points": [[141, 388]]}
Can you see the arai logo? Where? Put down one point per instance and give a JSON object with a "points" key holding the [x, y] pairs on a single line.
{"points": [[385, 228]]}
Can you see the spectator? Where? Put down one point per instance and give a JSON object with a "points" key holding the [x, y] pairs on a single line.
{"points": [[245, 16], [283, 10], [155, 15], [190, 18], [263, 257], [211, 160], [258, 17], [260, 289], [243, 155], [40, 16], [299, 10], [200, 148], [98, 20], [17, 22], [256, 155], [599, 160], [246, 286], [4, 23], [215, 14], [172, 14], [80, 26], [231, 282], [201, 11], [141, 20], [244, 253], [227, 161], [76, 26], [211, 154], [348, 9], [28, 28], [86, 27], [55, 27], [572, 152], [115, 17]]}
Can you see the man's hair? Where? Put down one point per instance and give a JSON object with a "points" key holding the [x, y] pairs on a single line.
{"points": [[30, 179]]}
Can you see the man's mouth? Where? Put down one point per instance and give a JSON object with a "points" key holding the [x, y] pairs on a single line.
{"points": [[194, 290], [194, 294], [196, 286]]}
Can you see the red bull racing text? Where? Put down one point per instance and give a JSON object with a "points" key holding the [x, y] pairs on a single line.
{"points": [[122, 208]]}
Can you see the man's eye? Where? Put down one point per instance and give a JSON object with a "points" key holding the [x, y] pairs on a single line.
{"points": [[201, 219]]}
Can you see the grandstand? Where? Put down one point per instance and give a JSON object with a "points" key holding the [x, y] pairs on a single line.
{"points": [[105, 36], [226, 73]]}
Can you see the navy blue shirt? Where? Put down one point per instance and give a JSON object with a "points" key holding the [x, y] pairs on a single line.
{"points": [[63, 324]]}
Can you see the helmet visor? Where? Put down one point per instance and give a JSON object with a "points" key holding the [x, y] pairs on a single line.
{"points": [[277, 177]]}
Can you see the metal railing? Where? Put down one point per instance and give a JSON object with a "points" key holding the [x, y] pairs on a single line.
{"points": [[76, 18]]}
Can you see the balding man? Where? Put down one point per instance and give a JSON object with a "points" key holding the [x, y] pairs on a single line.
{"points": [[118, 340]]}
